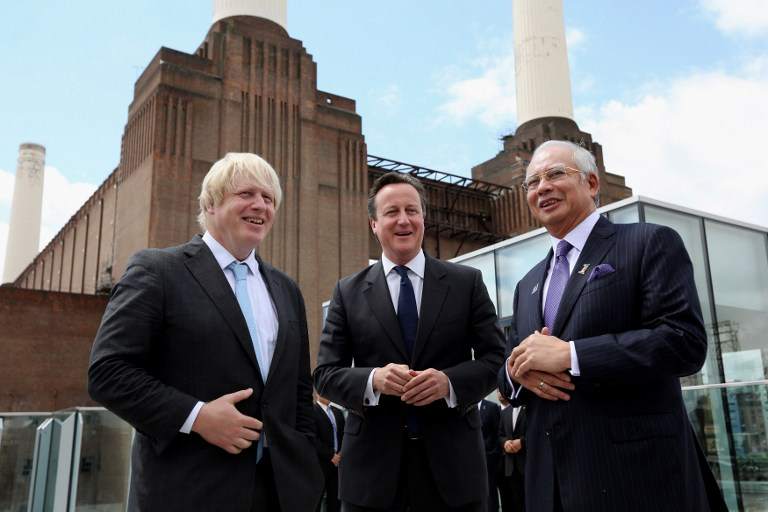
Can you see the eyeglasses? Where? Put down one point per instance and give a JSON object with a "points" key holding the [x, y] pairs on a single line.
{"points": [[552, 174]]}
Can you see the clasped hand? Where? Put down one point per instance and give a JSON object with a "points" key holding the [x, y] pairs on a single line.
{"points": [[414, 387], [539, 364]]}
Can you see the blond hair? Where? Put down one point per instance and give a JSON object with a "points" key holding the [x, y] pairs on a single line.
{"points": [[225, 175]]}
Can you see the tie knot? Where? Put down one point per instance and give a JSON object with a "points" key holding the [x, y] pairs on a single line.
{"points": [[563, 247], [402, 270], [239, 269]]}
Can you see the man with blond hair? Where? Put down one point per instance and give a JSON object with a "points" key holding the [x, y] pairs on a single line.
{"points": [[203, 349]]}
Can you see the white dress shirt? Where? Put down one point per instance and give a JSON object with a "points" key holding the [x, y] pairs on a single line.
{"points": [[577, 237], [263, 309], [416, 275]]}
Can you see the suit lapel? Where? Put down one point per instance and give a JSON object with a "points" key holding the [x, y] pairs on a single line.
{"points": [[598, 244], [380, 304], [280, 300], [204, 268], [433, 295]]}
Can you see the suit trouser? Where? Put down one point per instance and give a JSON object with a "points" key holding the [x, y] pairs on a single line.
{"points": [[512, 493], [417, 490], [265, 491]]}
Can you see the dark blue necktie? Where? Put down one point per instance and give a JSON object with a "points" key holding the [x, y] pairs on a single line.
{"points": [[407, 314], [408, 317]]}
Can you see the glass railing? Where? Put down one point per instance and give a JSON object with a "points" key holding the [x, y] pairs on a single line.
{"points": [[76, 459], [79, 459], [731, 423]]}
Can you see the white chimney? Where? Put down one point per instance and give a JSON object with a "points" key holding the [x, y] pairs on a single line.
{"points": [[542, 76], [275, 10], [26, 209]]}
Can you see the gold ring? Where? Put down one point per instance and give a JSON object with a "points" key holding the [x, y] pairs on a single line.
{"points": [[541, 384]]}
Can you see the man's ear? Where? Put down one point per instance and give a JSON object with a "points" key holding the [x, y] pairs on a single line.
{"points": [[594, 184]]}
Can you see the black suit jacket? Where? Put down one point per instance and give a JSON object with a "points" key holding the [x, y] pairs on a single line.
{"points": [[456, 318], [173, 334], [623, 441], [514, 463], [324, 431]]}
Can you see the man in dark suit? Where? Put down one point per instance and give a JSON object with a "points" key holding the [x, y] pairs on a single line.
{"points": [[410, 325], [203, 349], [490, 418], [512, 443], [616, 306], [329, 423]]}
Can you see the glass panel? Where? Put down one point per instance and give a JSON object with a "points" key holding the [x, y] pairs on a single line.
{"points": [[625, 215], [741, 466], [485, 264], [102, 481], [17, 448], [739, 265], [513, 262], [705, 410], [689, 229]]}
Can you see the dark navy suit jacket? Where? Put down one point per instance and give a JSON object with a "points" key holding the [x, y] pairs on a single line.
{"points": [[623, 441]]}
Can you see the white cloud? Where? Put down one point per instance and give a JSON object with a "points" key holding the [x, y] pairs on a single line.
{"points": [[61, 199], [387, 100], [696, 141], [488, 95], [6, 189], [739, 17], [574, 37]]}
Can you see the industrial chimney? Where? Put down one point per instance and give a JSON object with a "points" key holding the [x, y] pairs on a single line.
{"points": [[26, 209], [274, 10], [542, 77]]}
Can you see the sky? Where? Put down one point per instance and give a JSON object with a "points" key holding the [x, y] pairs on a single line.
{"points": [[675, 91]]}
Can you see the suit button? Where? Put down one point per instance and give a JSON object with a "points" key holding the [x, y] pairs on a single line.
{"points": [[547, 433]]}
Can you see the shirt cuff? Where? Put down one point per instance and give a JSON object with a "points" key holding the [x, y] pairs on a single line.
{"points": [[371, 397], [186, 428], [515, 389], [450, 400], [574, 360]]}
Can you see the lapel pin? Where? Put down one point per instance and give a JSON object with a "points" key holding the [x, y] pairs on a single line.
{"points": [[584, 269], [535, 289]]}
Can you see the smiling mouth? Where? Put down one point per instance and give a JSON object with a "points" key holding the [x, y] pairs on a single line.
{"points": [[548, 202], [254, 220]]}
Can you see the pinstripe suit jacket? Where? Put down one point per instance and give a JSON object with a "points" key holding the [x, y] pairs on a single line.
{"points": [[623, 441]]}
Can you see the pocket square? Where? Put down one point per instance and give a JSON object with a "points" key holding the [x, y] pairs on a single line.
{"points": [[599, 271]]}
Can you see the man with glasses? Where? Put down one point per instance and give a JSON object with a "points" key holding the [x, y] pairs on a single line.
{"points": [[603, 328]]}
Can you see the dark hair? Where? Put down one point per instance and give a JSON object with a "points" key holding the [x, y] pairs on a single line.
{"points": [[392, 178]]}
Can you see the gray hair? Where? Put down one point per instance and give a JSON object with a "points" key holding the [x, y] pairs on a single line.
{"points": [[582, 158]]}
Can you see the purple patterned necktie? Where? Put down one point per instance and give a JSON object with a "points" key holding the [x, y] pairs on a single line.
{"points": [[560, 274]]}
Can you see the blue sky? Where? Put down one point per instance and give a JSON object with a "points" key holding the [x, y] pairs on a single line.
{"points": [[677, 92]]}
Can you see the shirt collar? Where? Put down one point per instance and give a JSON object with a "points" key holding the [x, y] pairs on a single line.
{"points": [[577, 237], [224, 257], [416, 265]]}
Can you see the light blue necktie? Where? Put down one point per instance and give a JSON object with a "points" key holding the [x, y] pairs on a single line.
{"points": [[240, 270]]}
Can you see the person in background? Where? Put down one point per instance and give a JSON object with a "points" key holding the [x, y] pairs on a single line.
{"points": [[329, 423]]}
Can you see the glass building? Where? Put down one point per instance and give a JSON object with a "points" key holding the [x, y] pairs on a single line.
{"points": [[727, 401], [79, 459]]}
